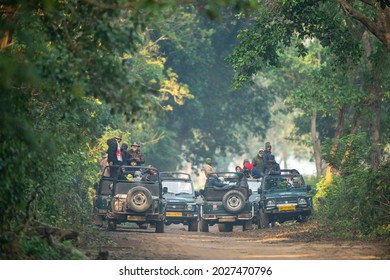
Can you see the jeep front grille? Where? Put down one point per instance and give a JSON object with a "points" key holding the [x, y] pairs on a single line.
{"points": [[176, 207], [289, 200]]}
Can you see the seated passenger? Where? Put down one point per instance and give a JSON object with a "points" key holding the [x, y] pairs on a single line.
{"points": [[239, 172], [247, 168], [150, 174], [137, 176], [297, 183], [272, 167], [216, 182], [121, 175]]}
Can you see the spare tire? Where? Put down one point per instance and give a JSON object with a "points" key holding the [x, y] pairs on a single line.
{"points": [[139, 199], [233, 201]]}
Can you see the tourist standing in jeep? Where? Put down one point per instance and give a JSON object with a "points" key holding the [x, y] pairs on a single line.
{"points": [[258, 164], [267, 153], [114, 155], [135, 153], [272, 167], [208, 169]]}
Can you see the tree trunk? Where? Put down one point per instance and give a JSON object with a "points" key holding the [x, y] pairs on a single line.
{"points": [[376, 122], [330, 168], [373, 98], [355, 127], [316, 144]]}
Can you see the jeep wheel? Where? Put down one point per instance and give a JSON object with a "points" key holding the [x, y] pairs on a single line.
{"points": [[160, 227], [262, 220], [225, 227], [193, 225], [247, 226], [302, 219], [111, 225], [204, 226], [233, 201], [143, 226], [139, 199]]}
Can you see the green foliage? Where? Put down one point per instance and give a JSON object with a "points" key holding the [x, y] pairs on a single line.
{"points": [[60, 80], [358, 204], [219, 119]]}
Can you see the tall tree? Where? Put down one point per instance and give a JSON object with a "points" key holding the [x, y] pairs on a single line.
{"points": [[277, 22]]}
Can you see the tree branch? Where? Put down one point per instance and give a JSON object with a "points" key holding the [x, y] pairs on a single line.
{"points": [[371, 26], [369, 2]]}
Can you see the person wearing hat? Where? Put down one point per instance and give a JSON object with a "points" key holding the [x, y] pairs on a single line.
{"points": [[208, 169], [267, 153], [135, 153], [114, 154], [258, 164]]}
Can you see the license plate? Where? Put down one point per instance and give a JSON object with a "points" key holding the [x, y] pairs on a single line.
{"points": [[227, 219], [174, 214], [136, 218], [286, 208]]}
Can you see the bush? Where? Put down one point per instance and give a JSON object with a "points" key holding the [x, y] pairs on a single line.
{"points": [[356, 204]]}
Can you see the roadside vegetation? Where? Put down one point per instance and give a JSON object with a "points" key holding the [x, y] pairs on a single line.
{"points": [[73, 73]]}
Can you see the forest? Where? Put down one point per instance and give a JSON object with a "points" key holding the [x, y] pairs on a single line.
{"points": [[189, 80]]}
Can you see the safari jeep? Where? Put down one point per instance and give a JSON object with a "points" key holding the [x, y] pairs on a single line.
{"points": [[101, 199], [140, 202], [283, 197], [181, 199], [226, 206]]}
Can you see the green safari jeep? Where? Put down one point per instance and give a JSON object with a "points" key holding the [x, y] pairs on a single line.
{"points": [[181, 197], [135, 200], [283, 197], [228, 204]]}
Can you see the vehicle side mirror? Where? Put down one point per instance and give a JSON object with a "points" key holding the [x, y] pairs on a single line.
{"points": [[308, 188], [259, 190], [165, 189], [197, 193]]}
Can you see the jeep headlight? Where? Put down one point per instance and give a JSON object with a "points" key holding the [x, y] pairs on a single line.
{"points": [[302, 201], [270, 204], [190, 207]]}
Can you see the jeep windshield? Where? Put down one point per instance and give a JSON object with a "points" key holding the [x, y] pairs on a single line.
{"points": [[284, 182], [178, 187]]}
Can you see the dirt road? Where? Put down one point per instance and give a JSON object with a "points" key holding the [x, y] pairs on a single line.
{"points": [[291, 241]]}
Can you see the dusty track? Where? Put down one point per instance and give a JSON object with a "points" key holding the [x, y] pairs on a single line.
{"points": [[285, 242]]}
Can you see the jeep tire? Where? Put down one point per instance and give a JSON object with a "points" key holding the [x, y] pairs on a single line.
{"points": [[160, 227], [233, 201], [111, 225], [139, 199], [247, 225], [262, 219], [193, 225], [204, 225]]}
